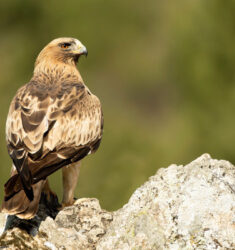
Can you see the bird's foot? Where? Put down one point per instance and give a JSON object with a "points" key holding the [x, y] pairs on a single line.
{"points": [[68, 203]]}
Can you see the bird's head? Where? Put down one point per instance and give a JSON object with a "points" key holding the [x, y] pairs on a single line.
{"points": [[62, 50]]}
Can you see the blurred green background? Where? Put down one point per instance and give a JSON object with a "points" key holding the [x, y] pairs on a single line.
{"points": [[164, 71]]}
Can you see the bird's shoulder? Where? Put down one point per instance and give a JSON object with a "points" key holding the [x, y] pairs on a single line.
{"points": [[41, 90]]}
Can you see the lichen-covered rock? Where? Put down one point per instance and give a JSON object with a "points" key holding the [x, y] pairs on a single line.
{"points": [[17, 239], [77, 227], [181, 207]]}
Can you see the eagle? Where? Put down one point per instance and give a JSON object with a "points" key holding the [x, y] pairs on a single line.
{"points": [[54, 121]]}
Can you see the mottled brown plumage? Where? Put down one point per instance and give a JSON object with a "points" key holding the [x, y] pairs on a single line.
{"points": [[54, 121]]}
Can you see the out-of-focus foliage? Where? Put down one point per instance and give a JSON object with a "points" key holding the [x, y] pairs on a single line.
{"points": [[164, 71]]}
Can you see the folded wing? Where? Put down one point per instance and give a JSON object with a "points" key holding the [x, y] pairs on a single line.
{"points": [[49, 127]]}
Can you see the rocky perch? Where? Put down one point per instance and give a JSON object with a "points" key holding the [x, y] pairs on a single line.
{"points": [[181, 207]]}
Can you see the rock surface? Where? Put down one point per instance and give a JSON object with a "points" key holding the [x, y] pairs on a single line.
{"points": [[181, 207], [77, 227], [19, 239]]}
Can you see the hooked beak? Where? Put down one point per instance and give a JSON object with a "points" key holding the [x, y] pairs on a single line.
{"points": [[80, 50]]}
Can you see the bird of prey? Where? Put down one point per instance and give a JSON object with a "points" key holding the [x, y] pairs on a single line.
{"points": [[54, 121]]}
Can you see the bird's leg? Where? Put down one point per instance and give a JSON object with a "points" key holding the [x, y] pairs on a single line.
{"points": [[70, 176]]}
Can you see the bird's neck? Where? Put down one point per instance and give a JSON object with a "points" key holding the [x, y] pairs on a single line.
{"points": [[56, 72]]}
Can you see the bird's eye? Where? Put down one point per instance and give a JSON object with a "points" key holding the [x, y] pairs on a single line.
{"points": [[65, 45]]}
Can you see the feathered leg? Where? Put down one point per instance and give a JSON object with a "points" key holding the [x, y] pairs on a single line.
{"points": [[70, 177]]}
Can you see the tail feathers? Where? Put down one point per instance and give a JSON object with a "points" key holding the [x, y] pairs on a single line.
{"points": [[20, 205], [15, 185]]}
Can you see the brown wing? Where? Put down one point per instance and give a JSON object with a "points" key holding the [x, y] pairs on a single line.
{"points": [[50, 127]]}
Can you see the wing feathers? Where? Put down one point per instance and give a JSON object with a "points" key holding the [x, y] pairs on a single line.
{"points": [[46, 131]]}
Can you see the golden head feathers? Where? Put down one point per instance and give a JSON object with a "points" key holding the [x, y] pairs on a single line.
{"points": [[64, 50]]}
